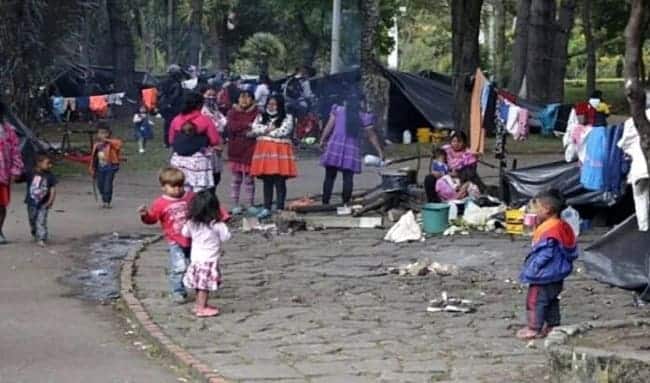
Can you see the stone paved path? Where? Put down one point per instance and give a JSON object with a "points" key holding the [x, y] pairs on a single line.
{"points": [[319, 307]]}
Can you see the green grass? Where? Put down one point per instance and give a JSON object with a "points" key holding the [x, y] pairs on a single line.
{"points": [[612, 88]]}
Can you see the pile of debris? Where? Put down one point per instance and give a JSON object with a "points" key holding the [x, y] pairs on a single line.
{"points": [[451, 305], [424, 267]]}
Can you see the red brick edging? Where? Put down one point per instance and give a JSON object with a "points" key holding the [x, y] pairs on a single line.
{"points": [[150, 329]]}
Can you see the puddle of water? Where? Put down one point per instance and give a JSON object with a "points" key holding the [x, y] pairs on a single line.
{"points": [[96, 277]]}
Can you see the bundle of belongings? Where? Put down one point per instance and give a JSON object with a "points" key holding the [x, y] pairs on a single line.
{"points": [[494, 110], [609, 156]]}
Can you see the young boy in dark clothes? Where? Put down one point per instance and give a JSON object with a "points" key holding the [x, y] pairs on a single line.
{"points": [[41, 192], [547, 265]]}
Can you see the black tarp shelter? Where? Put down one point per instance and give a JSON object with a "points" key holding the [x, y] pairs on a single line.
{"points": [[621, 258], [414, 100]]}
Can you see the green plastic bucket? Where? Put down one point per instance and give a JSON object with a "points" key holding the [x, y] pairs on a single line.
{"points": [[435, 217]]}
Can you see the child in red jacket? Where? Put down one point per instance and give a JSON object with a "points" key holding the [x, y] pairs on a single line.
{"points": [[171, 210]]}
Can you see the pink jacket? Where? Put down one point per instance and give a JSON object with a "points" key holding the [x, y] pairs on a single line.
{"points": [[204, 125], [11, 162]]}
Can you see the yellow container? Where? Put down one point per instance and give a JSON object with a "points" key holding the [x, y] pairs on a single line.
{"points": [[423, 135], [515, 221]]}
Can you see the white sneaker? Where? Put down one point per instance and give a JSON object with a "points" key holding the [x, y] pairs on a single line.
{"points": [[142, 151]]}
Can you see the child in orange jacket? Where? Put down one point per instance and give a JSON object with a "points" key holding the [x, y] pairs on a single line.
{"points": [[105, 162]]}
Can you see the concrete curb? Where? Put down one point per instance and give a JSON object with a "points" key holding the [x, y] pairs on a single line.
{"points": [[588, 364], [151, 330]]}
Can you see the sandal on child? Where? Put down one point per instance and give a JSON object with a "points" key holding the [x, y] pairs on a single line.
{"points": [[205, 312]]}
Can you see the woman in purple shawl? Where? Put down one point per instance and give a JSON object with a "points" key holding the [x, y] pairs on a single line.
{"points": [[340, 143]]}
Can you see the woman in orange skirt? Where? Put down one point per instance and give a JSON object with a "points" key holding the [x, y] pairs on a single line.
{"points": [[273, 159]]}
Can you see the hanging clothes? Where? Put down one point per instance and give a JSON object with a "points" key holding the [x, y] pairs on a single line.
{"points": [[585, 113], [489, 124], [58, 105], [522, 124], [476, 131], [507, 95], [150, 99], [547, 117], [512, 120], [638, 176], [82, 103], [69, 103], [562, 120], [617, 166], [99, 105], [115, 98], [592, 173]]}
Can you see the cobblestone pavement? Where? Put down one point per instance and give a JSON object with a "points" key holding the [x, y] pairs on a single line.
{"points": [[320, 307]]}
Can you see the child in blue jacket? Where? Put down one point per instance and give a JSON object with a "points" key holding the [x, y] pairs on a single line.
{"points": [[551, 260]]}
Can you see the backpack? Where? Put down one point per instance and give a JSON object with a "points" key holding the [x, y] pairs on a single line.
{"points": [[293, 89]]}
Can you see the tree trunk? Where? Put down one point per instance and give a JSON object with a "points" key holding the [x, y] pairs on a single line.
{"points": [[500, 42], [313, 41], [374, 86], [196, 31], [587, 15], [123, 49], [465, 25], [560, 46], [171, 33], [634, 91], [217, 32], [143, 13], [540, 45], [520, 46]]}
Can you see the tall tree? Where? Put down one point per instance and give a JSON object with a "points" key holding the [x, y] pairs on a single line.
{"points": [[560, 47], [540, 41], [465, 24], [119, 17], [499, 41], [587, 27], [171, 32], [548, 41], [196, 31], [634, 90], [374, 85], [520, 47]]}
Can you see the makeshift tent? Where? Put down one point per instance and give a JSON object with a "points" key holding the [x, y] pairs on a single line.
{"points": [[621, 258], [78, 80], [414, 100], [525, 183]]}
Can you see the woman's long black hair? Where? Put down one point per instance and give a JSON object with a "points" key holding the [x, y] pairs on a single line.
{"points": [[204, 208], [352, 111], [282, 113], [191, 102]]}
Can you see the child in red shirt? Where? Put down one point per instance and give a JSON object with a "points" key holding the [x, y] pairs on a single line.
{"points": [[170, 210]]}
